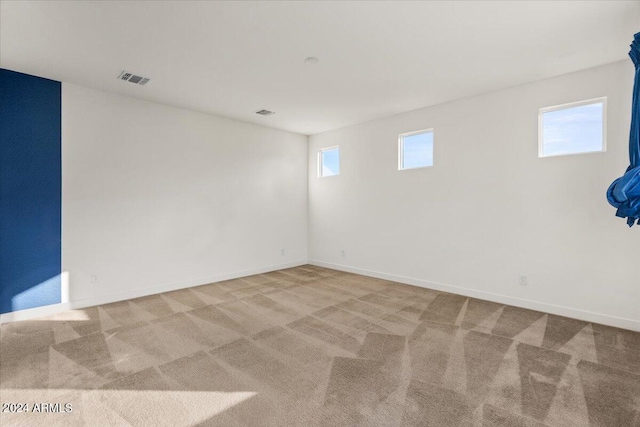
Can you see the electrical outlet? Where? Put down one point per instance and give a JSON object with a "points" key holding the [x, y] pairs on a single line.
{"points": [[94, 278], [343, 254], [282, 252], [523, 280]]}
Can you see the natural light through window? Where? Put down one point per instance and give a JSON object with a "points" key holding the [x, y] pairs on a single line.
{"points": [[573, 128], [415, 149], [329, 162]]}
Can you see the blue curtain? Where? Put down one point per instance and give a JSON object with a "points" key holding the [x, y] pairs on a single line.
{"points": [[30, 191], [624, 193]]}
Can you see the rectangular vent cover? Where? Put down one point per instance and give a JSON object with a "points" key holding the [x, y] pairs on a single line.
{"points": [[130, 77], [265, 112]]}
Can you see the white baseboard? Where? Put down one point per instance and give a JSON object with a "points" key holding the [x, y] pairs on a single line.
{"points": [[48, 310], [574, 313], [588, 316]]}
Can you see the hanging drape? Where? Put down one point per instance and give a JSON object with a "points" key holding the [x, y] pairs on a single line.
{"points": [[624, 193]]}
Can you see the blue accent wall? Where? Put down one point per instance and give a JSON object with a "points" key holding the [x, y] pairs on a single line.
{"points": [[30, 191]]}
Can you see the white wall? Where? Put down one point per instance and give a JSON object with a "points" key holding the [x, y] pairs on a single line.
{"points": [[489, 209], [158, 198]]}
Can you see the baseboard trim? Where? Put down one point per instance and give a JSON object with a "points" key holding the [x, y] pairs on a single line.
{"points": [[49, 310], [588, 316]]}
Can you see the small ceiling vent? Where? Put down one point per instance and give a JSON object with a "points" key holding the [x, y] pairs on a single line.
{"points": [[130, 77], [265, 112]]}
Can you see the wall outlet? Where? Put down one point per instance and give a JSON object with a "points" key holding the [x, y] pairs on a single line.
{"points": [[343, 254], [282, 252], [523, 280], [94, 278]]}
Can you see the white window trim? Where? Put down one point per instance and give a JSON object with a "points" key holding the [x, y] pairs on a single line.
{"points": [[401, 148], [320, 161], [544, 110]]}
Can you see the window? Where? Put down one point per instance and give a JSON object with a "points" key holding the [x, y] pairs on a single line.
{"points": [[415, 149], [574, 128], [329, 162]]}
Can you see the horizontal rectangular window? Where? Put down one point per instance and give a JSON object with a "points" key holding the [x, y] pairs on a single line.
{"points": [[573, 128], [415, 149], [329, 161]]}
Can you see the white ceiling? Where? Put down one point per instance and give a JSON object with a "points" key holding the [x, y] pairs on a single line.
{"points": [[376, 58]]}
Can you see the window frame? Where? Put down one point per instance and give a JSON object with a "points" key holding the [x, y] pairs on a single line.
{"points": [[320, 162], [541, 111], [401, 148]]}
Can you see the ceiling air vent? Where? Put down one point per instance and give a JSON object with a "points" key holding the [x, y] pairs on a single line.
{"points": [[265, 112], [130, 77]]}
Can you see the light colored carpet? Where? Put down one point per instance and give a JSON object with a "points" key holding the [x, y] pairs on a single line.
{"points": [[309, 346]]}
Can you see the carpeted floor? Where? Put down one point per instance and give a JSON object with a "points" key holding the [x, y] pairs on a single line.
{"points": [[310, 346]]}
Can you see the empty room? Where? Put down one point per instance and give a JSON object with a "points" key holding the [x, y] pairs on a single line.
{"points": [[320, 213]]}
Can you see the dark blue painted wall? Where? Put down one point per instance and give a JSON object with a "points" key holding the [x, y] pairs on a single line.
{"points": [[30, 191]]}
